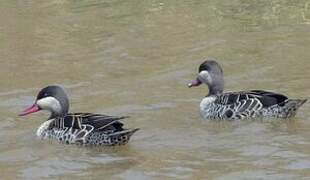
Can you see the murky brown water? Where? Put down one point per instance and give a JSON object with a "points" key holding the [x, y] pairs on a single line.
{"points": [[135, 58]]}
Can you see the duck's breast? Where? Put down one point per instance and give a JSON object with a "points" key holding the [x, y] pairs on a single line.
{"points": [[44, 127], [207, 106]]}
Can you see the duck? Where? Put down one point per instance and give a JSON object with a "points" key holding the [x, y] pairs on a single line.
{"points": [[220, 105], [76, 128]]}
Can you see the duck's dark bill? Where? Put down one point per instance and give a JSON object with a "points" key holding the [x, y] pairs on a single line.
{"points": [[34, 108], [195, 82]]}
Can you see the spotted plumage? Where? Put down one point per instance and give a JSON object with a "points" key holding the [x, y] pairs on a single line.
{"points": [[77, 128], [240, 105]]}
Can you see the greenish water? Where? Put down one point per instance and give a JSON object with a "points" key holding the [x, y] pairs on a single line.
{"points": [[135, 58]]}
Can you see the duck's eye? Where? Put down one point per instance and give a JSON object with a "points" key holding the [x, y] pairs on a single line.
{"points": [[45, 94]]}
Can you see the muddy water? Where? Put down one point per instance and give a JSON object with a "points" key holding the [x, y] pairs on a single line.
{"points": [[135, 58]]}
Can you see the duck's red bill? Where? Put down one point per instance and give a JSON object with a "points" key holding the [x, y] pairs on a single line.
{"points": [[195, 82], [34, 108]]}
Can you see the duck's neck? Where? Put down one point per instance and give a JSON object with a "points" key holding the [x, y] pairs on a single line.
{"points": [[216, 88], [214, 91], [56, 115], [64, 110]]}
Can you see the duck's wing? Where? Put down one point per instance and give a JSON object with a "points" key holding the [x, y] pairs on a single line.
{"points": [[79, 126], [94, 122], [247, 103], [266, 98]]}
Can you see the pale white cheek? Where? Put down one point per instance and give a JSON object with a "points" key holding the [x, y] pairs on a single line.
{"points": [[49, 103], [205, 77]]}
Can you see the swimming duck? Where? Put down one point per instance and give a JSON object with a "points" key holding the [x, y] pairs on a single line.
{"points": [[76, 128], [243, 104]]}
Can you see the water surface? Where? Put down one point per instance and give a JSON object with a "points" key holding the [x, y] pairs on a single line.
{"points": [[135, 58]]}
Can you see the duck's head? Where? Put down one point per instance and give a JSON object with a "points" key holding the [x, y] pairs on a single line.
{"points": [[211, 74], [50, 98]]}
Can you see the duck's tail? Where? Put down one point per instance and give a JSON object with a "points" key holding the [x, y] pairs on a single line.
{"points": [[122, 137], [301, 102], [291, 106]]}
